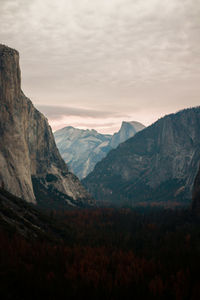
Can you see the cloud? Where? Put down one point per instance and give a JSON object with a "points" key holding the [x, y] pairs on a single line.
{"points": [[122, 53], [56, 112], [103, 121], [95, 125]]}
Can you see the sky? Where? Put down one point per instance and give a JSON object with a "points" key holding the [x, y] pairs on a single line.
{"points": [[96, 63]]}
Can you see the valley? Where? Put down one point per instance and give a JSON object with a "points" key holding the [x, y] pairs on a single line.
{"points": [[128, 230]]}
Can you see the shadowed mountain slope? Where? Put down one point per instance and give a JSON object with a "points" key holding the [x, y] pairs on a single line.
{"points": [[158, 164], [196, 194]]}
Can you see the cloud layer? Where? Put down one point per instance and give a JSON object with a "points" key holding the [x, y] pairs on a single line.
{"points": [[139, 59]]}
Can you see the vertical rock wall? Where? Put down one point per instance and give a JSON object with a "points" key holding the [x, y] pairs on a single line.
{"points": [[27, 147]]}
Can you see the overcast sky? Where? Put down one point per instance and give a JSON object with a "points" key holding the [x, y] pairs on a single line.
{"points": [[94, 63]]}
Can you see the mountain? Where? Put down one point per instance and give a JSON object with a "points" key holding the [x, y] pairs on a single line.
{"points": [[127, 130], [30, 164], [18, 216], [82, 149], [196, 194], [158, 164]]}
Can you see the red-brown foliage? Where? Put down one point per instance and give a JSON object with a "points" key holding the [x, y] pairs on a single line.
{"points": [[107, 253]]}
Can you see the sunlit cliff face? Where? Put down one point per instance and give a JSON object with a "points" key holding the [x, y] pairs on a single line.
{"points": [[128, 60]]}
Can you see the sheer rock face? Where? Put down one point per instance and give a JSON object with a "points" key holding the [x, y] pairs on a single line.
{"points": [[158, 164], [27, 148], [196, 194], [127, 130]]}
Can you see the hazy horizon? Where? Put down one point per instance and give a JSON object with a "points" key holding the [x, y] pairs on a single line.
{"points": [[94, 64]]}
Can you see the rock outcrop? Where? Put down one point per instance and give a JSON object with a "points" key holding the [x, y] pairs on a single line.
{"points": [[82, 149], [196, 194], [30, 162], [158, 164], [127, 130]]}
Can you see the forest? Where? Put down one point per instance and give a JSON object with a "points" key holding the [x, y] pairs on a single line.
{"points": [[106, 253]]}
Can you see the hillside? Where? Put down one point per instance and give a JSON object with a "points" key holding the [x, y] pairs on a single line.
{"points": [[158, 164]]}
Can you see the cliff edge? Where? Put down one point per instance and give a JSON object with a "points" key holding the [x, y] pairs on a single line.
{"points": [[30, 163]]}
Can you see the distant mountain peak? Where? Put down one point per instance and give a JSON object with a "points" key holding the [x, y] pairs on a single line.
{"points": [[82, 149], [127, 130], [132, 122]]}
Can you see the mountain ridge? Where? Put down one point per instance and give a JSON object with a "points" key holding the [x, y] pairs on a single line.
{"points": [[155, 163], [82, 149]]}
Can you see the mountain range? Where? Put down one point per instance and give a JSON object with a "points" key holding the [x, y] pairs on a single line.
{"points": [[82, 149], [137, 165], [30, 164], [159, 164]]}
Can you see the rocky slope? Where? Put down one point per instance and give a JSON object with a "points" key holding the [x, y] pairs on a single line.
{"points": [[82, 149], [196, 194], [158, 164], [18, 216], [30, 163]]}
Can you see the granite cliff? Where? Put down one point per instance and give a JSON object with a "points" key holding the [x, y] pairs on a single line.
{"points": [[158, 164], [196, 194], [82, 149], [127, 130], [30, 164]]}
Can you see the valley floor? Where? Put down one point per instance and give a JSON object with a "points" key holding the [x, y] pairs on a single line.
{"points": [[105, 254]]}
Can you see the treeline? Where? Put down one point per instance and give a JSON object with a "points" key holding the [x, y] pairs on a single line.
{"points": [[106, 254]]}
